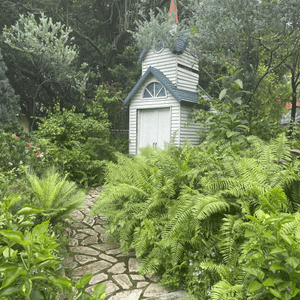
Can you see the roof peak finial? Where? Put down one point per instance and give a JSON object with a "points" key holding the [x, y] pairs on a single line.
{"points": [[173, 10]]}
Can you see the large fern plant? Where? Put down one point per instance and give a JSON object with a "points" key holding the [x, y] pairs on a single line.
{"points": [[190, 202], [55, 194]]}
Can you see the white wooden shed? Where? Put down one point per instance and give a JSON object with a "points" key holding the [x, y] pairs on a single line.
{"points": [[161, 102]]}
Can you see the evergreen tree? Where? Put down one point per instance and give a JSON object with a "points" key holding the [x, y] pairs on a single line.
{"points": [[9, 106]]}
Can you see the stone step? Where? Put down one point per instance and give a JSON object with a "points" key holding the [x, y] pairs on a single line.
{"points": [[179, 295], [91, 253]]}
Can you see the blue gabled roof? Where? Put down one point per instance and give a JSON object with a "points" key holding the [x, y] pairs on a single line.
{"points": [[179, 94], [142, 55], [181, 45], [178, 48]]}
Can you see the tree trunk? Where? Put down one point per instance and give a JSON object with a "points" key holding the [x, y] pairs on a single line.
{"points": [[294, 83]]}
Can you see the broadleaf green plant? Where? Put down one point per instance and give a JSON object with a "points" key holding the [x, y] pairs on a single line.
{"points": [[271, 255], [78, 143], [30, 266]]}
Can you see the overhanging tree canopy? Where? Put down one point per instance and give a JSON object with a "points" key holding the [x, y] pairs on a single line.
{"points": [[245, 34]]}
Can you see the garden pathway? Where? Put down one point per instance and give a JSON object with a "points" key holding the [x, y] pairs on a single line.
{"points": [[89, 252]]}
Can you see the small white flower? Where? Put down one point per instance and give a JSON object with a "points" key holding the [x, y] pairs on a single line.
{"points": [[10, 163]]}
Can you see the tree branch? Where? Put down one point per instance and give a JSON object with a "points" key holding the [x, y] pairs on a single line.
{"points": [[89, 40], [39, 79]]}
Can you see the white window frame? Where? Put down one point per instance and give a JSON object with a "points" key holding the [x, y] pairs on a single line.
{"points": [[146, 89]]}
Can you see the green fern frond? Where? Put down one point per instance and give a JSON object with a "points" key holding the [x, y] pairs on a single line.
{"points": [[221, 270], [290, 224], [223, 290], [206, 206], [231, 232], [184, 215], [55, 194]]}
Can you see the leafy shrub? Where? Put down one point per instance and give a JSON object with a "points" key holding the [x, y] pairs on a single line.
{"points": [[272, 254], [77, 143], [185, 211], [150, 197], [30, 266], [227, 120], [17, 150]]}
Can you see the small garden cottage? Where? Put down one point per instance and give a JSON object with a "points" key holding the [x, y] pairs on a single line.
{"points": [[160, 103]]}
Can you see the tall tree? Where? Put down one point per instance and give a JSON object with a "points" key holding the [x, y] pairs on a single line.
{"points": [[9, 101], [102, 34], [245, 34], [49, 56]]}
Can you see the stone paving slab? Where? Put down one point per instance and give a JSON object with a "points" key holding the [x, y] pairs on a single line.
{"points": [[180, 295], [89, 252]]}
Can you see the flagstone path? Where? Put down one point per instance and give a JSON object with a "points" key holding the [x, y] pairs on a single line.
{"points": [[89, 252]]}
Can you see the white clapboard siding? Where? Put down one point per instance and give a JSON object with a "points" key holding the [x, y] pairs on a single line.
{"points": [[190, 132], [187, 60], [187, 80], [138, 103], [164, 61], [168, 63]]}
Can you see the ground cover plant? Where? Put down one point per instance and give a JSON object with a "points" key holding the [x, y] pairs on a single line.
{"points": [[30, 265], [32, 229], [220, 220]]}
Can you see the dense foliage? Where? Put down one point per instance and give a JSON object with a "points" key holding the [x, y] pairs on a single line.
{"points": [[30, 265], [260, 38], [9, 106], [207, 217], [97, 32], [78, 143], [221, 219]]}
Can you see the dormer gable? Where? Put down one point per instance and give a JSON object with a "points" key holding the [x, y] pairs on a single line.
{"points": [[182, 96]]}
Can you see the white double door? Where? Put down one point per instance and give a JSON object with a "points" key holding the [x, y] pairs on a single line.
{"points": [[154, 127]]}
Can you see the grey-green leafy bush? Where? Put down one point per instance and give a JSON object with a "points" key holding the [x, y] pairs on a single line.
{"points": [[30, 265], [185, 211]]}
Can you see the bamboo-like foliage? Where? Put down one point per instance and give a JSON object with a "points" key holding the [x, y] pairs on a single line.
{"points": [[55, 194]]}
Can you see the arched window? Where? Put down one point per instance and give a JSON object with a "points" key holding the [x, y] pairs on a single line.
{"points": [[154, 89], [159, 47]]}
